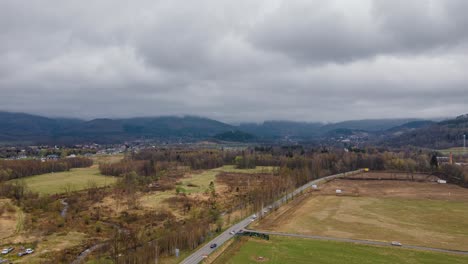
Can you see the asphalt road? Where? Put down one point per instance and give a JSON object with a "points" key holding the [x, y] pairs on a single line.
{"points": [[198, 255], [357, 241]]}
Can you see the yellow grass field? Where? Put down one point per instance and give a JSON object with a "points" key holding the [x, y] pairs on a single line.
{"points": [[440, 221]]}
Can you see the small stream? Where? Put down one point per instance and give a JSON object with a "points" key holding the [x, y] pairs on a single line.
{"points": [[63, 213], [85, 253]]}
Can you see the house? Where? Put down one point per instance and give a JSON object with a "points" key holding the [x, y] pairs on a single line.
{"points": [[52, 157]]}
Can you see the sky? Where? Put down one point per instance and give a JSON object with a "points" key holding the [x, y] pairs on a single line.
{"points": [[235, 61]]}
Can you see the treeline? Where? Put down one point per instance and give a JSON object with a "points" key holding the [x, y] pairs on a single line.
{"points": [[149, 162], [195, 159], [14, 169], [153, 162], [140, 167]]}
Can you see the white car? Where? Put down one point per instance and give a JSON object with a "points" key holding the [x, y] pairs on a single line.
{"points": [[7, 250], [26, 252], [232, 232], [254, 216], [396, 243]]}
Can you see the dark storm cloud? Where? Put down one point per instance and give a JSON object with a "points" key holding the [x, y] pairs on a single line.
{"points": [[234, 60]]}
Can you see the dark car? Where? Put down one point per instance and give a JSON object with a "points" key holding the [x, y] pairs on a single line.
{"points": [[213, 245]]}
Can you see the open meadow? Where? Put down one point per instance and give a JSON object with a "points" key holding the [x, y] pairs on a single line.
{"points": [[415, 213], [73, 180], [279, 250]]}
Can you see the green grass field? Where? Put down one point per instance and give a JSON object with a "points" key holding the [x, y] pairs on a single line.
{"points": [[74, 180], [295, 250]]}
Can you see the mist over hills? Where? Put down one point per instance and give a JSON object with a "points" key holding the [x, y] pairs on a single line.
{"points": [[20, 127]]}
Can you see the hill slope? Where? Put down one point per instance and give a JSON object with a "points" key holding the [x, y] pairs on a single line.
{"points": [[18, 127], [444, 134]]}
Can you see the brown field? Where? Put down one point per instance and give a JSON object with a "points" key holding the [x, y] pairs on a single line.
{"points": [[394, 176], [8, 218], [416, 213], [396, 189]]}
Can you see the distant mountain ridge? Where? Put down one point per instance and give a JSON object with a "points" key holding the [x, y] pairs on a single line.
{"points": [[435, 135], [21, 127], [16, 127]]}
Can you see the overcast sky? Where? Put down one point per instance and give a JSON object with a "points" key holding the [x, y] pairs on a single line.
{"points": [[241, 60]]}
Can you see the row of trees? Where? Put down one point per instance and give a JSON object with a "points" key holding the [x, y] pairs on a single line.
{"points": [[14, 169], [195, 159]]}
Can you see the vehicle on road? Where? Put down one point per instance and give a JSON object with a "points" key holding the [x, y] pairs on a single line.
{"points": [[240, 231], [254, 216], [213, 245], [396, 243], [232, 232], [7, 250]]}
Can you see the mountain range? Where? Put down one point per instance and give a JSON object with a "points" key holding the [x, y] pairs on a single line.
{"points": [[26, 128]]}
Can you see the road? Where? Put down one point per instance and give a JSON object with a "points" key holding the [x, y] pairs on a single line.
{"points": [[357, 241], [198, 255]]}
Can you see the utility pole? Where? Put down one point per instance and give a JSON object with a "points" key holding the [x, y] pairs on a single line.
{"points": [[464, 144]]}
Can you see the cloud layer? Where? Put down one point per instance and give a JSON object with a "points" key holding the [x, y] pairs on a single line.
{"points": [[235, 60]]}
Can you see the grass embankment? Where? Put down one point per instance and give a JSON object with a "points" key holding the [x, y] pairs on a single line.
{"points": [[73, 180], [431, 223], [296, 250]]}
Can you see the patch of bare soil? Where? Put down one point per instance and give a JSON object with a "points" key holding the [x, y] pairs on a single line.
{"points": [[259, 259]]}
